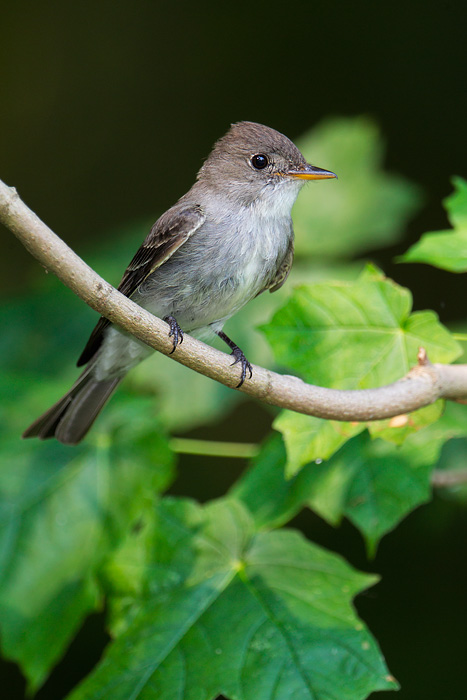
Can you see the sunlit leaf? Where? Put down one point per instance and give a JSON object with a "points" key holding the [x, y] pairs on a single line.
{"points": [[309, 439], [446, 249], [351, 336], [355, 335], [397, 429]]}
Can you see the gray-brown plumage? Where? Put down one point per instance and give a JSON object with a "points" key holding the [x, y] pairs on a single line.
{"points": [[227, 240]]}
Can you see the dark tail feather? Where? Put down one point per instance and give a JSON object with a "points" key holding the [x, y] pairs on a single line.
{"points": [[69, 419]]}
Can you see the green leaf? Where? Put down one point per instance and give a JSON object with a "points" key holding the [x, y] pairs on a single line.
{"points": [[397, 429], [366, 208], [373, 483], [249, 615], [310, 439], [271, 499], [446, 249], [63, 511], [388, 480], [456, 203], [355, 335], [351, 336]]}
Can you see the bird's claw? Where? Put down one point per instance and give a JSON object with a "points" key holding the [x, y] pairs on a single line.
{"points": [[175, 332], [246, 366]]}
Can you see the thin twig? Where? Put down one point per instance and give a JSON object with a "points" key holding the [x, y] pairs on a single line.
{"points": [[423, 385], [441, 478]]}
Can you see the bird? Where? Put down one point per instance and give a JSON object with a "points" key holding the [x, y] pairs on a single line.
{"points": [[224, 242]]}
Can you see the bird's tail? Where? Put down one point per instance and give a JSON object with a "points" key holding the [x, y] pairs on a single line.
{"points": [[69, 419]]}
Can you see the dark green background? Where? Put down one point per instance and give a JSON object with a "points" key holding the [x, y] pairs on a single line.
{"points": [[108, 109]]}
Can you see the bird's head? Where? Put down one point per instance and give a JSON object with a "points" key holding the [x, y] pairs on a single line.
{"points": [[254, 162]]}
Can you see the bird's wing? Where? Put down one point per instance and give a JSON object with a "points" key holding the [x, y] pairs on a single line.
{"points": [[283, 270], [166, 236]]}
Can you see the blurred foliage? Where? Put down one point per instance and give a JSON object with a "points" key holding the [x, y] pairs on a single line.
{"points": [[367, 209], [215, 599], [446, 249], [64, 510]]}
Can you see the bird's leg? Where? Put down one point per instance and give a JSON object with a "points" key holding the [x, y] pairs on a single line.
{"points": [[239, 357], [175, 332]]}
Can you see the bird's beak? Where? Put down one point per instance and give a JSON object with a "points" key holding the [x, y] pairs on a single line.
{"points": [[311, 172]]}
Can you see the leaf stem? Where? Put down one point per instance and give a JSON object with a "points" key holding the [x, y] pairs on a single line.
{"points": [[213, 448]]}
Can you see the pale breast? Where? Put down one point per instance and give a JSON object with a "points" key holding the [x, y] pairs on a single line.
{"points": [[219, 269]]}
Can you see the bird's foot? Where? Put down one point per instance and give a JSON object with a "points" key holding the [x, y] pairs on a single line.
{"points": [[239, 357], [246, 366], [175, 332]]}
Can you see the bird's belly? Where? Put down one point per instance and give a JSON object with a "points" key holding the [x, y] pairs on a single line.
{"points": [[201, 285], [202, 299], [201, 290]]}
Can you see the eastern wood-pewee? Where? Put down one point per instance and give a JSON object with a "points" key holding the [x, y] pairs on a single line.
{"points": [[224, 242]]}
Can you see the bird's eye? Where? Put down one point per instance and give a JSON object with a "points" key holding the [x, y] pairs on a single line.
{"points": [[259, 161]]}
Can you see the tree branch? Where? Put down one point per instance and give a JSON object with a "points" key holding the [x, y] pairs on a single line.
{"points": [[423, 385]]}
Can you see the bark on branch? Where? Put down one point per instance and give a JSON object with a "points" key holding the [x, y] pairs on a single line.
{"points": [[423, 385]]}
